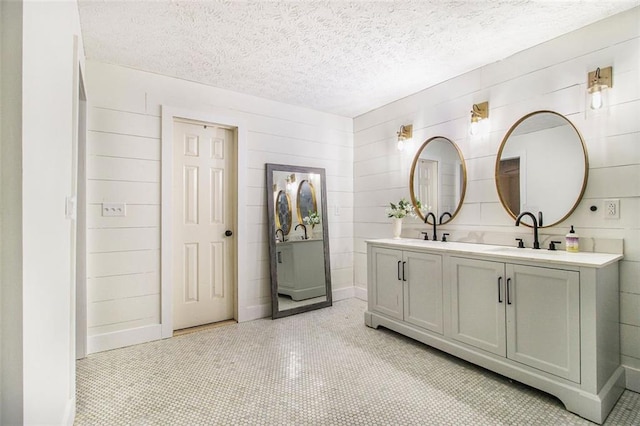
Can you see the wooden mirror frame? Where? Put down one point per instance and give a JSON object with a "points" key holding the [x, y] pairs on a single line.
{"points": [[271, 221]]}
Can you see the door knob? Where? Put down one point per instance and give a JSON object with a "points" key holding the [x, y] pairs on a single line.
{"points": [[228, 233]]}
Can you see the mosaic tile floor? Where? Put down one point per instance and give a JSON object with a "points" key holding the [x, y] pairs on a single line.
{"points": [[319, 368]]}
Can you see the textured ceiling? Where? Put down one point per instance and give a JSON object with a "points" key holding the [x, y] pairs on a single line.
{"points": [[343, 57]]}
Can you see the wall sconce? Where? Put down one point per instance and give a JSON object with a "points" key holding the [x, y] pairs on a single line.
{"points": [[405, 134], [291, 180], [597, 83], [479, 119]]}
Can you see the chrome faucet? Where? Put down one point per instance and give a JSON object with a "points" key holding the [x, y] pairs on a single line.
{"points": [[536, 243], [304, 228], [442, 217], [281, 233], [430, 214]]}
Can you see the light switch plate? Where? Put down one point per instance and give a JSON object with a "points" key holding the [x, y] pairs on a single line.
{"points": [[114, 209]]}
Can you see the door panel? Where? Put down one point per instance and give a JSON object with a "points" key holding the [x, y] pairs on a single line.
{"points": [[477, 304], [203, 277], [423, 290], [387, 288], [543, 319]]}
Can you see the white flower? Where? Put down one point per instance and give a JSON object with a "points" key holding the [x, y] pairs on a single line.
{"points": [[313, 219], [402, 209]]}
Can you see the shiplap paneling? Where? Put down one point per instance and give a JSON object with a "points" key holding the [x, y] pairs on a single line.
{"points": [[101, 240], [138, 216], [549, 76], [124, 166], [122, 263], [121, 122], [124, 146], [122, 169], [630, 277], [123, 286], [99, 191]]}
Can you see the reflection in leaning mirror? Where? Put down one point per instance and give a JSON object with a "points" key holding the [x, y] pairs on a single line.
{"points": [[542, 166], [298, 244], [438, 179], [283, 214], [306, 201]]}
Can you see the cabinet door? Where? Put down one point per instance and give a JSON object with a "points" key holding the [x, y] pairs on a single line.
{"points": [[387, 281], [423, 290], [477, 304], [284, 267], [543, 319]]}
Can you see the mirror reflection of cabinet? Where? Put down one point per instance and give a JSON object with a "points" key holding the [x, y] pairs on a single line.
{"points": [[438, 178], [542, 166], [300, 271]]}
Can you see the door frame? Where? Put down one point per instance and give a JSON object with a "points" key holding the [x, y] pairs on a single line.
{"points": [[170, 113], [78, 299]]}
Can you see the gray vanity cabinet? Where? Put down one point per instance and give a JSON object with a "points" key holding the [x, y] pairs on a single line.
{"points": [[546, 319], [525, 313], [407, 286]]}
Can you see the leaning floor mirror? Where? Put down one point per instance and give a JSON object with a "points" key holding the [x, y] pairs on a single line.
{"points": [[298, 239]]}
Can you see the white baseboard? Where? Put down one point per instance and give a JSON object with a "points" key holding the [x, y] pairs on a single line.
{"points": [[342, 293], [120, 339], [250, 313], [633, 378], [361, 293]]}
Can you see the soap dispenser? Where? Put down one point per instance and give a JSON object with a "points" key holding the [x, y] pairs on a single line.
{"points": [[572, 243]]}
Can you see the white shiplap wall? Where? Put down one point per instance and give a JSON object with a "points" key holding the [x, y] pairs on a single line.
{"points": [[549, 76], [124, 164]]}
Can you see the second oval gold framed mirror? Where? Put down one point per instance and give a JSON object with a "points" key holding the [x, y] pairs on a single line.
{"points": [[438, 179], [306, 200], [542, 166]]}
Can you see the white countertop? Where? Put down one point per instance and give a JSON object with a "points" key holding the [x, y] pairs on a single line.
{"points": [[561, 257]]}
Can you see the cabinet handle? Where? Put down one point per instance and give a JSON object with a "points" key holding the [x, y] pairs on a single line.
{"points": [[403, 263], [279, 257], [499, 289], [508, 292], [399, 262]]}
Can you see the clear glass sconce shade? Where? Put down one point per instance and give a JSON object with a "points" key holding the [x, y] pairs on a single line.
{"points": [[400, 145], [596, 99], [479, 127], [474, 128]]}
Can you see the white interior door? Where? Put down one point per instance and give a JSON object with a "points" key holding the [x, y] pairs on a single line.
{"points": [[203, 274], [428, 184]]}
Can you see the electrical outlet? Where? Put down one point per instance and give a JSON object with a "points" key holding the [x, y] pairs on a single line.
{"points": [[114, 209], [612, 209]]}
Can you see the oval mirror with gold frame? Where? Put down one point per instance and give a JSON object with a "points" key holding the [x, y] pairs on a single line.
{"points": [[283, 212], [438, 179], [542, 166], [306, 200]]}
